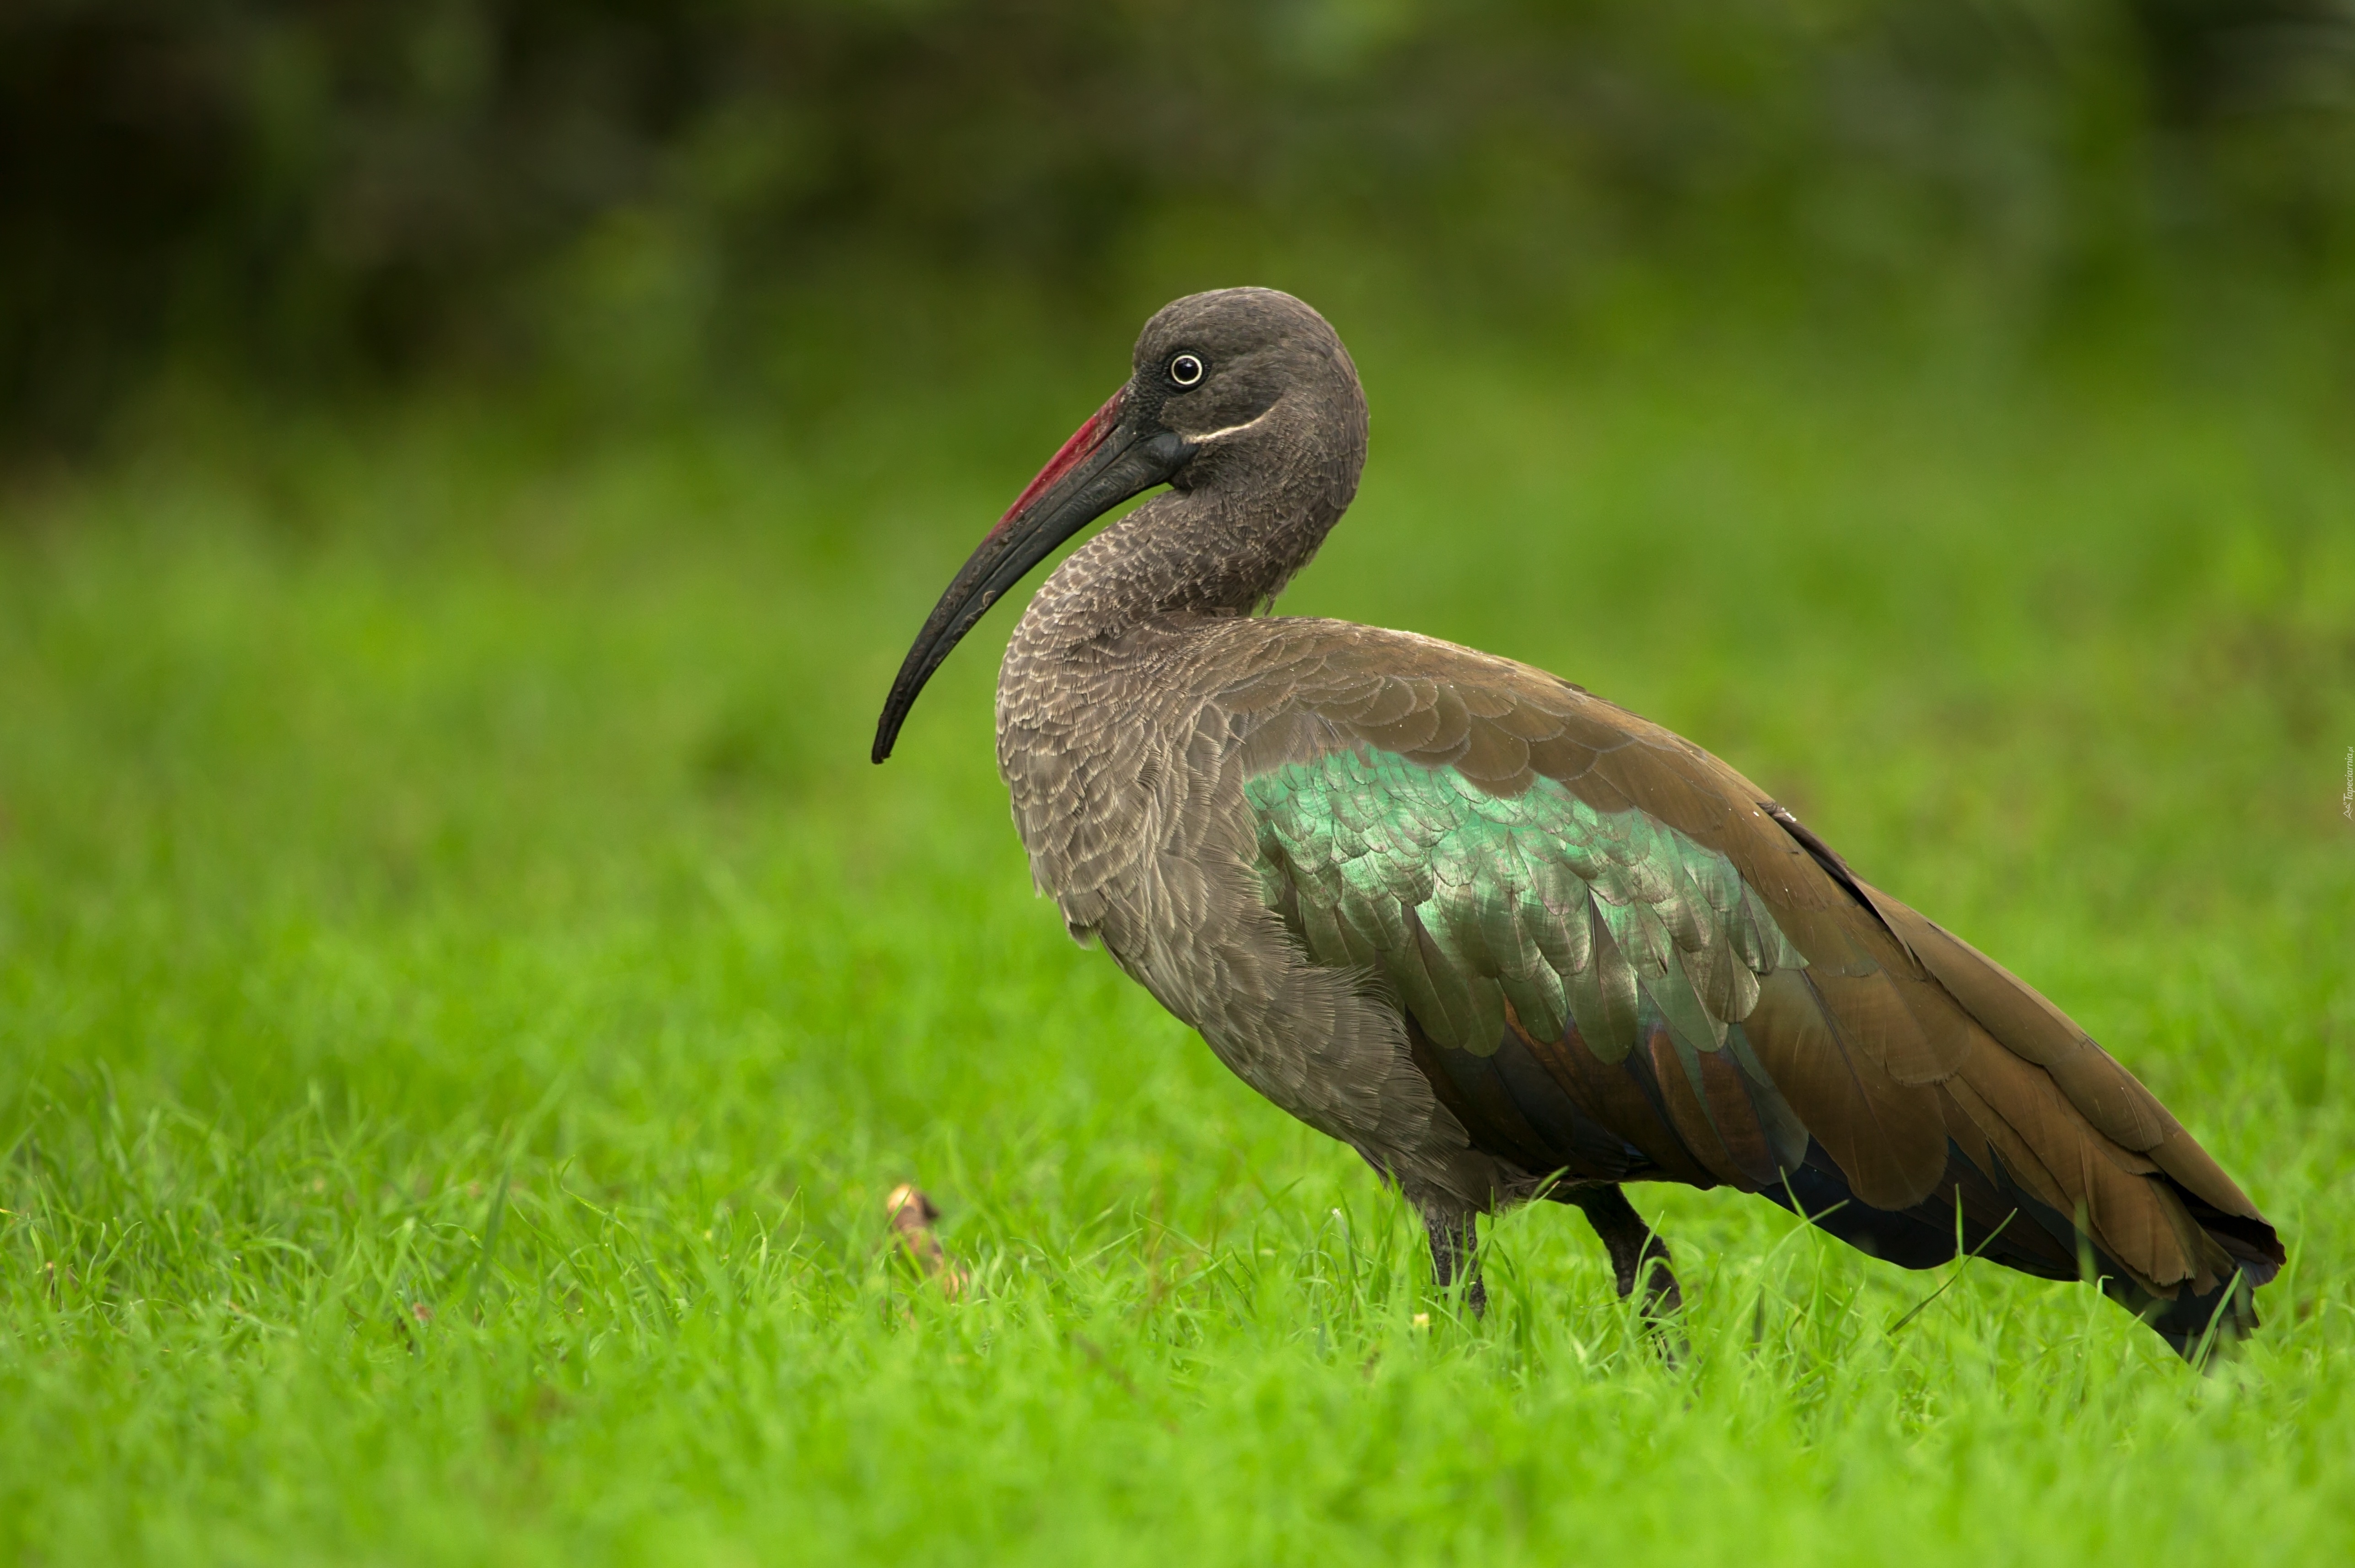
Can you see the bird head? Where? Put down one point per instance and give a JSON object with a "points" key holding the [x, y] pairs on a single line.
{"points": [[1226, 388]]}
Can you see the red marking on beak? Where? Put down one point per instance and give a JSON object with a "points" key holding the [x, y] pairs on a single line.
{"points": [[1074, 451]]}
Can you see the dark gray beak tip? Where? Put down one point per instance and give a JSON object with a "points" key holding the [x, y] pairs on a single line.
{"points": [[1106, 460]]}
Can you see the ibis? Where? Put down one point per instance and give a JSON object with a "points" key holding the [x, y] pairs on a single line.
{"points": [[1504, 938]]}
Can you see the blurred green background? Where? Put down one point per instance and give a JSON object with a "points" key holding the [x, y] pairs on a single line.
{"points": [[643, 201], [468, 472]]}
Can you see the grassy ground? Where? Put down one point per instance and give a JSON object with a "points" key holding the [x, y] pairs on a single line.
{"points": [[463, 995]]}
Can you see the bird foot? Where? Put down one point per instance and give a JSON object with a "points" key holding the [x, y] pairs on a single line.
{"points": [[1637, 1254], [1454, 1255]]}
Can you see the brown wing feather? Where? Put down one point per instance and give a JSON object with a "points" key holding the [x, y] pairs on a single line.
{"points": [[1896, 1044]]}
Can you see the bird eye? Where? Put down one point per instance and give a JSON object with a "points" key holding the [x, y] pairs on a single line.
{"points": [[1186, 369]]}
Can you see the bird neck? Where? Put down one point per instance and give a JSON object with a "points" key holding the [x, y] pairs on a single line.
{"points": [[1217, 548]]}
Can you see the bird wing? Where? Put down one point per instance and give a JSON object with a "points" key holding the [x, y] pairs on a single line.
{"points": [[1619, 959]]}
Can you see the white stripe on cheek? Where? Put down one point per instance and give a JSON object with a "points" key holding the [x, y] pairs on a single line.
{"points": [[1215, 434]]}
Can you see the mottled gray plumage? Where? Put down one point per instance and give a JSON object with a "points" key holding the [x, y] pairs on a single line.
{"points": [[1497, 934]]}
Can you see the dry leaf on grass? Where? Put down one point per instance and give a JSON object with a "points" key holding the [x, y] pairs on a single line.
{"points": [[913, 1216]]}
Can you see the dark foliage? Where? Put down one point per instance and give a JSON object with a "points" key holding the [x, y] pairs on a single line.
{"points": [[321, 190]]}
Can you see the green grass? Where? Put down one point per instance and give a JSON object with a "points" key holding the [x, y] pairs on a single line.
{"points": [[463, 995]]}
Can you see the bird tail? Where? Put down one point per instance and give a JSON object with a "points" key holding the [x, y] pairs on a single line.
{"points": [[1976, 1214]]}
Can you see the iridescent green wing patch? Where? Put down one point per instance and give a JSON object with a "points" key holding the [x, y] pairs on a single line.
{"points": [[1465, 900]]}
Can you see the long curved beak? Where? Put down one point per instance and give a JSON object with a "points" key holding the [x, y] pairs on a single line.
{"points": [[1107, 459]]}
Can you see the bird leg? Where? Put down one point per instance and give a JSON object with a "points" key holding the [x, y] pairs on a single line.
{"points": [[1454, 1254], [1634, 1250]]}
